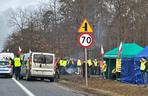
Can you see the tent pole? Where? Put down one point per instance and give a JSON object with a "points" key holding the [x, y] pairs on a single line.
{"points": [[109, 70]]}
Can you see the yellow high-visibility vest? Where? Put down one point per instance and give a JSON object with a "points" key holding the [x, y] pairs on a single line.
{"points": [[79, 62], [142, 66], [95, 63], [17, 62], [64, 63], [89, 62], [104, 67], [61, 63]]}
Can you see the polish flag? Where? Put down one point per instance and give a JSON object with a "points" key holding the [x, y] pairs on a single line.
{"points": [[102, 51], [120, 49], [20, 50]]}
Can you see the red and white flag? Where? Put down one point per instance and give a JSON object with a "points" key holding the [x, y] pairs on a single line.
{"points": [[102, 50], [20, 50], [120, 49]]}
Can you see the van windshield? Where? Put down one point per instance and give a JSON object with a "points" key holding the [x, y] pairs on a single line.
{"points": [[41, 58]]}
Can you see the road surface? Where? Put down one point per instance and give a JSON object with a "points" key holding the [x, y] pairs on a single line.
{"points": [[12, 87]]}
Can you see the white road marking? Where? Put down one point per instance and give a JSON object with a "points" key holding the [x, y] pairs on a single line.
{"points": [[29, 93]]}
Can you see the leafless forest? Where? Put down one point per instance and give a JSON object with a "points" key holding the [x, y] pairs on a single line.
{"points": [[52, 27]]}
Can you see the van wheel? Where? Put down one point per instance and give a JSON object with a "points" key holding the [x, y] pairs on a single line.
{"points": [[42, 79], [10, 76], [52, 79], [57, 77], [21, 77]]}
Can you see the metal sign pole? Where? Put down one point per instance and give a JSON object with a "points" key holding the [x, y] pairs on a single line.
{"points": [[86, 81]]}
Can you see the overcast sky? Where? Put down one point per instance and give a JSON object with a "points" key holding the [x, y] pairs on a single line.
{"points": [[5, 5]]}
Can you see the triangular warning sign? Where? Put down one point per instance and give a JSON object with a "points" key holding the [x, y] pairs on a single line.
{"points": [[85, 27]]}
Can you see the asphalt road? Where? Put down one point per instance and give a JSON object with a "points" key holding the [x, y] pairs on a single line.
{"points": [[11, 87]]}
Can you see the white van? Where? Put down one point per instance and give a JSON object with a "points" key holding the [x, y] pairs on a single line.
{"points": [[38, 65]]}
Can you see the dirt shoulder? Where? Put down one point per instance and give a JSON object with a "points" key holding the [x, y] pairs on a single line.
{"points": [[101, 87]]}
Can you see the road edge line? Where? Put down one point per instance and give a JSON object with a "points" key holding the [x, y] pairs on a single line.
{"points": [[29, 93]]}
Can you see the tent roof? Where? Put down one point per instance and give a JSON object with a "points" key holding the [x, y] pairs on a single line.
{"points": [[128, 50], [143, 53]]}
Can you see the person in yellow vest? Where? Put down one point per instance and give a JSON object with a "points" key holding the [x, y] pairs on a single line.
{"points": [[144, 69], [61, 66], [90, 71], [100, 67], [17, 65], [65, 63], [95, 69], [114, 74], [79, 65], [104, 69]]}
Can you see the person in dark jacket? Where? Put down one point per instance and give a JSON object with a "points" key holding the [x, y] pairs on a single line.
{"points": [[57, 69], [83, 67]]}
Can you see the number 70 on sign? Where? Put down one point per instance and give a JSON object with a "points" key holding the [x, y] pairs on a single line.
{"points": [[85, 40]]}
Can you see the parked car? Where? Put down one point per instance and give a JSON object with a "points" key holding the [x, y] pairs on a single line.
{"points": [[5, 68], [38, 65]]}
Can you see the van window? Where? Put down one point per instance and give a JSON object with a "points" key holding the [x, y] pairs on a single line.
{"points": [[45, 59]]}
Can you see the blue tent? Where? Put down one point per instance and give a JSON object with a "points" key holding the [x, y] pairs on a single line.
{"points": [[131, 71], [137, 58], [129, 51], [128, 69], [143, 53]]}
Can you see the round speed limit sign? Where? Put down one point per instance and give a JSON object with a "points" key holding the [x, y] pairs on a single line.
{"points": [[85, 40]]}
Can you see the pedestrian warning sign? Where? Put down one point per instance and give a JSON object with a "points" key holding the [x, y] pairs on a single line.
{"points": [[85, 27]]}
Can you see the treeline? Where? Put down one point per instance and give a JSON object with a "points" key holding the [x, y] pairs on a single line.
{"points": [[52, 27]]}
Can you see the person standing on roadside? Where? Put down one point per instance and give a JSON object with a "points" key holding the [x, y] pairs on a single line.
{"points": [[83, 69], [57, 68], [79, 64], [90, 64], [104, 69], [17, 65], [95, 62], [144, 69]]}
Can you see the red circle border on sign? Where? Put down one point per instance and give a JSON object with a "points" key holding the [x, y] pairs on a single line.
{"points": [[87, 34]]}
